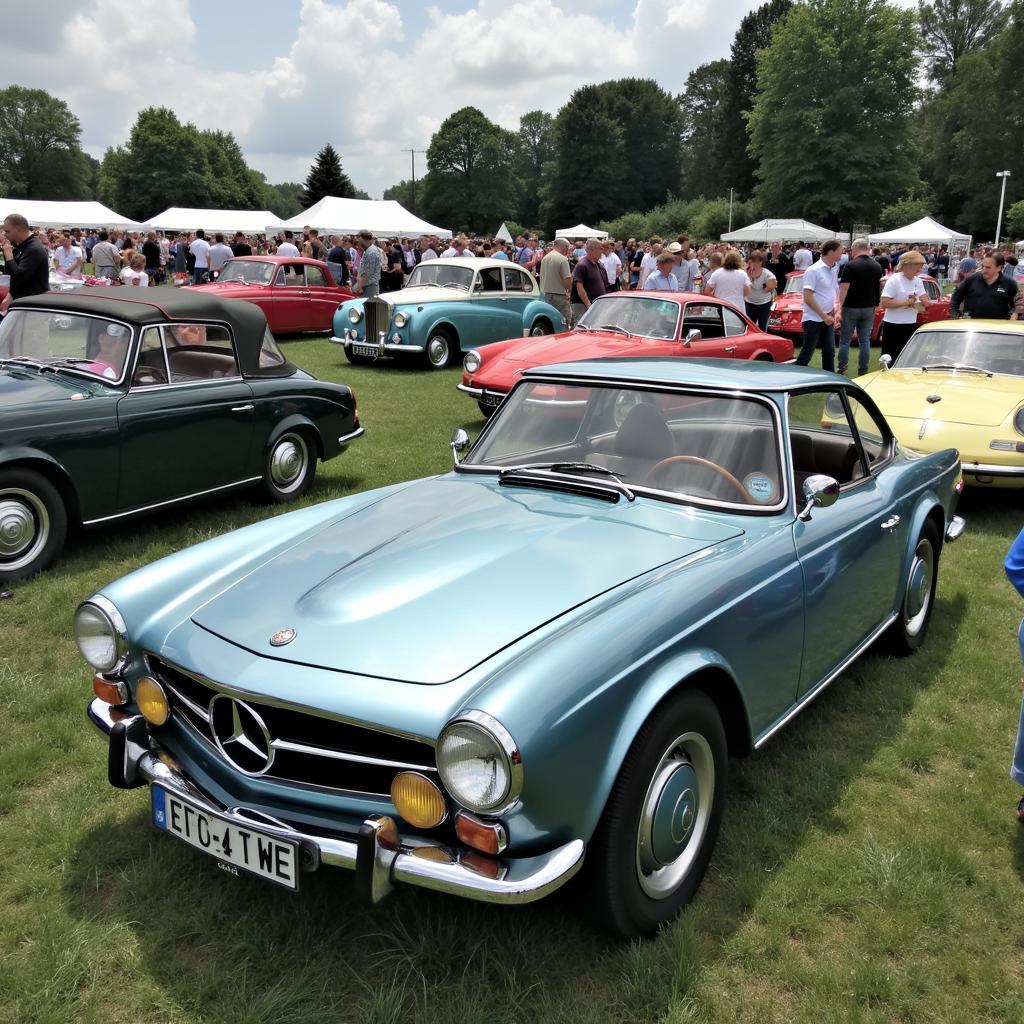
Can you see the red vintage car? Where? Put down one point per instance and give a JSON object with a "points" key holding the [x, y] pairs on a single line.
{"points": [[624, 325], [296, 294], [787, 314]]}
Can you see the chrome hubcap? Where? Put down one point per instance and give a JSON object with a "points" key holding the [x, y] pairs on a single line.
{"points": [[919, 588], [24, 527], [437, 351], [288, 462], [674, 817], [538, 331]]}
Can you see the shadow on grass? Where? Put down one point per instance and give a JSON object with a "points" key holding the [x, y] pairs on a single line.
{"points": [[234, 949]]}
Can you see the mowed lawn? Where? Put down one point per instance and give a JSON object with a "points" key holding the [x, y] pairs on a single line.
{"points": [[869, 867]]}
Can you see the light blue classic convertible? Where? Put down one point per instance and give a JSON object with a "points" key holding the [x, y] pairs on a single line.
{"points": [[448, 307], [539, 663]]}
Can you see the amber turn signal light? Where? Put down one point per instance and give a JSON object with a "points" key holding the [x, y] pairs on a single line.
{"points": [[485, 836], [152, 701], [418, 800], [110, 691]]}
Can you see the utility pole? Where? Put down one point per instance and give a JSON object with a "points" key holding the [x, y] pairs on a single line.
{"points": [[1002, 199], [412, 158], [730, 208]]}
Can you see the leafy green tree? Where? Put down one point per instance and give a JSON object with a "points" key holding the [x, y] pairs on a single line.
{"points": [[1015, 221], [233, 184], [754, 33], [402, 192], [839, 147], [472, 182], [950, 29], [284, 199], [537, 143], [705, 142], [40, 156], [326, 178], [906, 210]]}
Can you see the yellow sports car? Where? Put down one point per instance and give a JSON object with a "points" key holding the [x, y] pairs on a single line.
{"points": [[960, 384]]}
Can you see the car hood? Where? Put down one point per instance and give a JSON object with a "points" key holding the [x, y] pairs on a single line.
{"points": [[437, 577], [567, 347], [791, 300], [415, 296], [23, 386], [955, 397]]}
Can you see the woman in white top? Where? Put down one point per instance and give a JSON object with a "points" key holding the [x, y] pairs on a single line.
{"points": [[730, 281], [136, 273], [762, 290], [903, 296]]}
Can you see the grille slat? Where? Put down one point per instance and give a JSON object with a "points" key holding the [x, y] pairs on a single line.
{"points": [[378, 318], [353, 759]]}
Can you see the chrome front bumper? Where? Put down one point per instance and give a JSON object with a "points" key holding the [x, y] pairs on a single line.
{"points": [[379, 856], [983, 469], [387, 346], [352, 435], [467, 390]]}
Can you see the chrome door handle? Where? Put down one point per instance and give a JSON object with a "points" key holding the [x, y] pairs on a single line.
{"points": [[243, 408], [891, 524], [731, 348]]}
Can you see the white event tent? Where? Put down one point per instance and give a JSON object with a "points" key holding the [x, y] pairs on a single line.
{"points": [[46, 213], [385, 218], [790, 230], [580, 231], [503, 233], [183, 218], [926, 231]]}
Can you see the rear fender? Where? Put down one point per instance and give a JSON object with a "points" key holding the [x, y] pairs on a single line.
{"points": [[540, 310], [296, 420]]}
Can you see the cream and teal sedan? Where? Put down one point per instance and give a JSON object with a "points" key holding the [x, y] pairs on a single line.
{"points": [[960, 384], [448, 307]]}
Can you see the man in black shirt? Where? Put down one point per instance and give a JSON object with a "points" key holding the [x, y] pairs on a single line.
{"points": [[986, 295], [26, 258], [860, 283], [778, 264], [240, 247]]}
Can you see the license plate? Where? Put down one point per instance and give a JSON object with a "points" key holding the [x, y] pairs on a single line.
{"points": [[489, 398], [774, 321], [366, 350], [271, 858]]}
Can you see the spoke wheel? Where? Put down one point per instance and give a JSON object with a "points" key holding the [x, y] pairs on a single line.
{"points": [[33, 523], [290, 467]]}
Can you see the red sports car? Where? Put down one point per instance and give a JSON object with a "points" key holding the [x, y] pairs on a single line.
{"points": [[624, 325], [787, 314], [296, 294]]}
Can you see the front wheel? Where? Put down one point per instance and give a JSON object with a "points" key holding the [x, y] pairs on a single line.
{"points": [[440, 350], [289, 468], [540, 328], [908, 632], [653, 844], [33, 523]]}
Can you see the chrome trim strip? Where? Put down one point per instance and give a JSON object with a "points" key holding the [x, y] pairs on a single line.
{"points": [[171, 501], [190, 704], [985, 469], [352, 435], [467, 390], [817, 689], [344, 755]]}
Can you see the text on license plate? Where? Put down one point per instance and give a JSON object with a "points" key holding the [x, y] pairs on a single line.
{"points": [[366, 350], [265, 855], [489, 398]]}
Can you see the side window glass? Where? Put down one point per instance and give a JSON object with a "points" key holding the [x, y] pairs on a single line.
{"points": [[933, 290], [822, 440], [490, 279], [705, 317], [198, 352], [151, 365], [290, 276], [517, 281], [872, 435], [734, 323], [315, 277]]}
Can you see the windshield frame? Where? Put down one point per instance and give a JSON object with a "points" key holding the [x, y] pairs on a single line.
{"points": [[78, 371], [609, 297], [796, 280], [783, 505], [925, 329], [429, 265], [239, 261]]}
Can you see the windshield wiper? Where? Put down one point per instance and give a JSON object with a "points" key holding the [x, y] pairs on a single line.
{"points": [[616, 327], [571, 467], [583, 327], [956, 366], [23, 361]]}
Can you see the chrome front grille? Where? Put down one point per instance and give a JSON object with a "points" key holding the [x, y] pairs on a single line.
{"points": [[308, 749], [378, 318]]}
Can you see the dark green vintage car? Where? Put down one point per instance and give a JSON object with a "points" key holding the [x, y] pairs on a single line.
{"points": [[111, 406]]}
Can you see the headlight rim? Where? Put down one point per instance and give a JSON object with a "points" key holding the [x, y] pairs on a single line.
{"points": [[1018, 420], [354, 314], [114, 619], [479, 361], [506, 744], [401, 319]]}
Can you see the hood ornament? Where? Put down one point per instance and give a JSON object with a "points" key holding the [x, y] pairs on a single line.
{"points": [[934, 398], [282, 637]]}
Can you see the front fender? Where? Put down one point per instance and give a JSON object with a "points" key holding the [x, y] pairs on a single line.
{"points": [[45, 463], [537, 310]]}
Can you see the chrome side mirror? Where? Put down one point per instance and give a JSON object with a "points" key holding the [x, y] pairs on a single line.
{"points": [[691, 336], [885, 361], [460, 442], [820, 491]]}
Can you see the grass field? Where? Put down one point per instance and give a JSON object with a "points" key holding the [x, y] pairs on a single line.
{"points": [[869, 868]]}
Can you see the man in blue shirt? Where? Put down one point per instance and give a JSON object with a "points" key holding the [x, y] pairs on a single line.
{"points": [[663, 280]]}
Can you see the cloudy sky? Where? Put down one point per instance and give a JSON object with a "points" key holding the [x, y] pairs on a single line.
{"points": [[372, 77]]}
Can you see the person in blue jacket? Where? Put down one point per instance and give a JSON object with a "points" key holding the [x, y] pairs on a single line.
{"points": [[1015, 571]]}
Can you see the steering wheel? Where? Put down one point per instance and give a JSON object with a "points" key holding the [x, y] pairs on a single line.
{"points": [[694, 460]]}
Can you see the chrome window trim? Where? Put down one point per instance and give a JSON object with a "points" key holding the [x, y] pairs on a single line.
{"points": [[171, 501], [186, 384]]}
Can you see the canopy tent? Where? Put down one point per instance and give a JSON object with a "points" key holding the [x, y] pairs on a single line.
{"points": [[791, 230], [46, 213], [503, 233], [926, 230], [580, 231], [386, 218], [183, 218]]}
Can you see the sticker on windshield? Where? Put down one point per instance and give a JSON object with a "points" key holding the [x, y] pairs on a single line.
{"points": [[760, 487]]}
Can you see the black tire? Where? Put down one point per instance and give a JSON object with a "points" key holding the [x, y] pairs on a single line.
{"points": [[628, 886], [441, 349], [909, 630], [33, 523], [289, 467], [540, 328], [356, 360]]}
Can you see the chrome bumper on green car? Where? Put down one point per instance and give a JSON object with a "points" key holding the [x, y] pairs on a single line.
{"points": [[379, 855]]}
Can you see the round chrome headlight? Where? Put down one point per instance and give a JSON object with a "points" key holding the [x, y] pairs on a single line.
{"points": [[473, 361], [1018, 420], [355, 314], [101, 634], [401, 319], [834, 407], [479, 763]]}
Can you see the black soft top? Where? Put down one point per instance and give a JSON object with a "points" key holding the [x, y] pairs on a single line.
{"points": [[143, 307]]}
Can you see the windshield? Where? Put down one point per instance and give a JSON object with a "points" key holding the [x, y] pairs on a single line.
{"points": [[794, 284], [50, 338], [689, 446], [247, 271], [651, 318], [993, 351], [433, 272]]}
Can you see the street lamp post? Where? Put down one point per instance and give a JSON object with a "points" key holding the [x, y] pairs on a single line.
{"points": [[730, 209], [1002, 199], [412, 157]]}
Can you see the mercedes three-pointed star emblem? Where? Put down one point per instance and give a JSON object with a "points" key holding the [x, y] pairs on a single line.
{"points": [[241, 735]]}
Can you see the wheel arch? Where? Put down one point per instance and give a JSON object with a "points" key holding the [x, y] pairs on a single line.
{"points": [[540, 310], [46, 466], [297, 421], [929, 509], [443, 322]]}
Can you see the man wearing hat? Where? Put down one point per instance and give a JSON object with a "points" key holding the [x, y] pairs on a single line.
{"points": [[685, 269], [663, 280]]}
